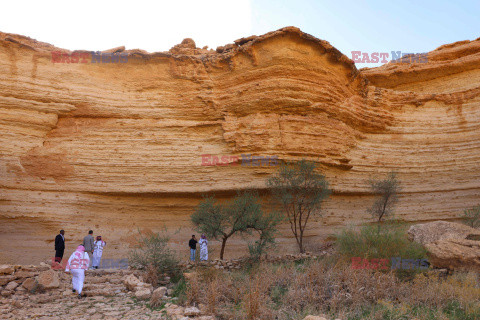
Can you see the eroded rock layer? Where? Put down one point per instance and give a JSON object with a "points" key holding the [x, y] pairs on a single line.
{"points": [[117, 147]]}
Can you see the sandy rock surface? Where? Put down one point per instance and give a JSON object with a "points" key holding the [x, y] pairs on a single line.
{"points": [[118, 147]]}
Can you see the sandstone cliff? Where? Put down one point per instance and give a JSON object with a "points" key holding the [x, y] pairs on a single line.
{"points": [[118, 146]]}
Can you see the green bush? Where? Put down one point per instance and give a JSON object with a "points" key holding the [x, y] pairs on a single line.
{"points": [[180, 290], [266, 226], [471, 217], [368, 242], [387, 243], [152, 251]]}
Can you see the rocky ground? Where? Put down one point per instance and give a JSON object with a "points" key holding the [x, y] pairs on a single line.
{"points": [[43, 292], [38, 292]]}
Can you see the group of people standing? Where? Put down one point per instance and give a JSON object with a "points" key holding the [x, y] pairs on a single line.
{"points": [[94, 249], [87, 256], [203, 247]]}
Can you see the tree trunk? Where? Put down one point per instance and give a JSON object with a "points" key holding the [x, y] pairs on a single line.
{"points": [[299, 244], [222, 251], [378, 226], [300, 240], [302, 250]]}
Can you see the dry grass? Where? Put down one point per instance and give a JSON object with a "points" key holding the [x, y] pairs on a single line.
{"points": [[194, 289], [291, 291], [151, 275], [156, 301]]}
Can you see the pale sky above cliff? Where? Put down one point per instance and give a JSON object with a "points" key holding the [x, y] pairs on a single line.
{"points": [[367, 26]]}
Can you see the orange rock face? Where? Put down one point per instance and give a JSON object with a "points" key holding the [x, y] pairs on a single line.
{"points": [[117, 147]]}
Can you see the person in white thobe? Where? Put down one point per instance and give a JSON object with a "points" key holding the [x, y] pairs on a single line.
{"points": [[97, 252], [77, 264], [203, 248]]}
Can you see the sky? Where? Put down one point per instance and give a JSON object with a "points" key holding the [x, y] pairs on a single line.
{"points": [[157, 25]]}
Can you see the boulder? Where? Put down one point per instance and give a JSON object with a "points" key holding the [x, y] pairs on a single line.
{"points": [[158, 296], [450, 245], [23, 274], [29, 284], [189, 43], [173, 310], [159, 293], [20, 289], [5, 279], [143, 294], [192, 311], [440, 230], [49, 279], [11, 286], [131, 282], [144, 285], [17, 303], [6, 269], [6, 293]]}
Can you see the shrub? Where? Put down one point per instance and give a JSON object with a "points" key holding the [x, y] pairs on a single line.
{"points": [[152, 254], [369, 243], [180, 290], [257, 249], [266, 226], [156, 303], [151, 275], [471, 217], [390, 242]]}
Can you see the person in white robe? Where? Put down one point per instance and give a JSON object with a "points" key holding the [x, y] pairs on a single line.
{"points": [[203, 248], [97, 252], [77, 264]]}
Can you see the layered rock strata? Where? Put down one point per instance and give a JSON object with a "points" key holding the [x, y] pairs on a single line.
{"points": [[118, 147]]}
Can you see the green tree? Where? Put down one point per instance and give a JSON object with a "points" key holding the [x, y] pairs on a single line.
{"points": [[243, 214], [300, 191], [386, 191]]}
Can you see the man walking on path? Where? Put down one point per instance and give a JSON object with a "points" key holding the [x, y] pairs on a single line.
{"points": [[89, 244], [77, 264], [59, 246], [193, 247]]}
